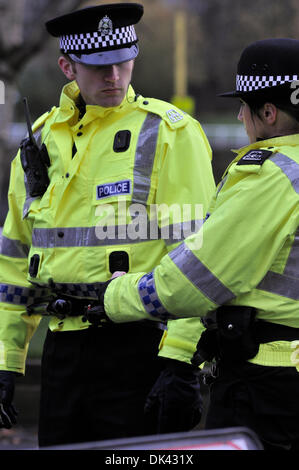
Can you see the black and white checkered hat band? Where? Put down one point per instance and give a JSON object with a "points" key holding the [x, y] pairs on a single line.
{"points": [[251, 82], [90, 41]]}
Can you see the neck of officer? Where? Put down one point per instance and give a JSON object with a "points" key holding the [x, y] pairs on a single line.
{"points": [[283, 125]]}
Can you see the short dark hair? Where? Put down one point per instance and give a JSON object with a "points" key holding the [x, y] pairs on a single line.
{"points": [[280, 96]]}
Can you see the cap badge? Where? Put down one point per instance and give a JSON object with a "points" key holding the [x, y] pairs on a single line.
{"points": [[105, 26]]}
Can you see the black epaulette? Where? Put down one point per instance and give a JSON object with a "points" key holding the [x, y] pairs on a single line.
{"points": [[255, 157]]}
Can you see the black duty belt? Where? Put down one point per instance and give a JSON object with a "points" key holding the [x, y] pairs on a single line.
{"points": [[233, 333], [91, 311], [265, 332]]}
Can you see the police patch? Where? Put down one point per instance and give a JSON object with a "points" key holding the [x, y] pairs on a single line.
{"points": [[174, 116], [255, 157], [113, 189]]}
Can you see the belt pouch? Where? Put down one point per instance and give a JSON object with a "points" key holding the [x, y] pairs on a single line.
{"points": [[236, 340]]}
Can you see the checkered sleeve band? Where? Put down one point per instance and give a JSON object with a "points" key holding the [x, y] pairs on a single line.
{"points": [[22, 295], [257, 82], [97, 41], [150, 299]]}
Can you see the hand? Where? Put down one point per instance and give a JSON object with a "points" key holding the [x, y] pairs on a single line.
{"points": [[118, 274], [174, 404], [8, 412]]}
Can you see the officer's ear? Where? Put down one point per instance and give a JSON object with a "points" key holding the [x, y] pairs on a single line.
{"points": [[269, 113], [67, 67]]}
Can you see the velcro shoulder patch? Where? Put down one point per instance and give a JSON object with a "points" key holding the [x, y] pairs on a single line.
{"points": [[255, 157], [174, 117]]}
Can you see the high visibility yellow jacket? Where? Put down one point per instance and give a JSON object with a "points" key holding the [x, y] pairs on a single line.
{"points": [[113, 176], [247, 252]]}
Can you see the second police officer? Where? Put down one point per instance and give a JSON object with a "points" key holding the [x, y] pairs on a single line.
{"points": [[244, 278]]}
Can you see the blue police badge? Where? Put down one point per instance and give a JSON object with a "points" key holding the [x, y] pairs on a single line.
{"points": [[113, 189]]}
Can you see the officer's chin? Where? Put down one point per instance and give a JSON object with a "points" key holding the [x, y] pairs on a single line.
{"points": [[108, 101]]}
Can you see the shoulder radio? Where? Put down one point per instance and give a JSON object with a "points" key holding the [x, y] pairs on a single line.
{"points": [[35, 161]]}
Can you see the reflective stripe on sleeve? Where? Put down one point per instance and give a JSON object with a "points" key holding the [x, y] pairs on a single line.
{"points": [[21, 295], [200, 276], [13, 248], [292, 264], [289, 167], [286, 283], [280, 284]]}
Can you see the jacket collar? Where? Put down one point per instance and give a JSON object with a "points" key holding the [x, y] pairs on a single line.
{"points": [[292, 139], [70, 96]]}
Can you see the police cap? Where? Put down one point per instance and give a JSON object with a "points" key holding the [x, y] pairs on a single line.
{"points": [[267, 66], [99, 35]]}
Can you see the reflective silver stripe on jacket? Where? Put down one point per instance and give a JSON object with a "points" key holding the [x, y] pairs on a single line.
{"points": [[114, 235], [289, 167], [130, 233], [287, 283], [13, 248], [221, 184], [280, 284], [292, 265], [200, 276], [21, 295], [144, 158]]}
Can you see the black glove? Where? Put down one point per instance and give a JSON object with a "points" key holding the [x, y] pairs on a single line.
{"points": [[96, 314], [65, 306], [207, 347], [8, 412], [175, 403]]}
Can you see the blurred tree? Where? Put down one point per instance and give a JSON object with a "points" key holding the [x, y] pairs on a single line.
{"points": [[22, 34], [217, 31], [227, 26]]}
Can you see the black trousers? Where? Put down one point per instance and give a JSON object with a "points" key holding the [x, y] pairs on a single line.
{"points": [[95, 381], [264, 399]]}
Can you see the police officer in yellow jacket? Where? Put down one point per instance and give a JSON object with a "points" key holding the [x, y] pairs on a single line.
{"points": [[127, 179], [241, 270]]}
